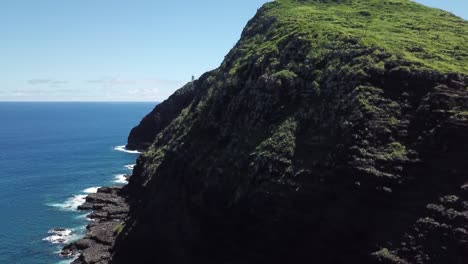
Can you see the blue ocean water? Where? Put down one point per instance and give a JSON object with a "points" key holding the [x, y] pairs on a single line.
{"points": [[50, 154]]}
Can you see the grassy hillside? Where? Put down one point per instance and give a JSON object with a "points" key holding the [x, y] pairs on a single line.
{"points": [[333, 132], [431, 38]]}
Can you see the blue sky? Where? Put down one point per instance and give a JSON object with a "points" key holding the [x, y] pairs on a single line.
{"points": [[120, 50]]}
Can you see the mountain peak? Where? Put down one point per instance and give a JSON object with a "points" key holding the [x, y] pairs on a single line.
{"points": [[331, 133], [431, 38]]}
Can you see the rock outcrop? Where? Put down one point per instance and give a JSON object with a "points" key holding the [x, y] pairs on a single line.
{"points": [[333, 132], [110, 210], [143, 135]]}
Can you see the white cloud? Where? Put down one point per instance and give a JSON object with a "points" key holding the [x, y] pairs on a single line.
{"points": [[106, 88], [133, 89], [120, 81], [39, 81], [153, 92], [45, 81]]}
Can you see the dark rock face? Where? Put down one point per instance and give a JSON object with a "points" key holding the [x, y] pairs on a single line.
{"points": [[142, 136], [372, 174], [352, 155], [110, 209]]}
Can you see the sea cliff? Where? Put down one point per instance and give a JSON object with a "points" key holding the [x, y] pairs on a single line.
{"points": [[333, 132]]}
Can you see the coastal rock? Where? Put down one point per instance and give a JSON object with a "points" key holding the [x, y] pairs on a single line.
{"points": [[107, 202], [103, 232], [96, 254], [319, 139], [110, 210], [143, 135]]}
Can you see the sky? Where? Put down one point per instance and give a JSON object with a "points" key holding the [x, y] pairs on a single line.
{"points": [[120, 50]]}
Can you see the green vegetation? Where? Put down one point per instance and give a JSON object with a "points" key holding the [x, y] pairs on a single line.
{"points": [[395, 150], [118, 228], [316, 96], [286, 74], [282, 141], [428, 37], [387, 256], [463, 115], [298, 55], [368, 99]]}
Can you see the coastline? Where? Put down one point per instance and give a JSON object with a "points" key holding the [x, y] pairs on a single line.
{"points": [[56, 153], [109, 210]]}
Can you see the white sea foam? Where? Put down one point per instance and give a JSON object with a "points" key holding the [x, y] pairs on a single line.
{"points": [[123, 149], [91, 190], [60, 236], [71, 203], [67, 261], [130, 166], [121, 178], [83, 216]]}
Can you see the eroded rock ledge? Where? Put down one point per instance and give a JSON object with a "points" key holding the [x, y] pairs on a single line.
{"points": [[110, 209]]}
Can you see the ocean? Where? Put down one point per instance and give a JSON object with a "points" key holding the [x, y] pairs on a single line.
{"points": [[51, 155]]}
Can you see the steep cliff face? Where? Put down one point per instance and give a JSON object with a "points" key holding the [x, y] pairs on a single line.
{"points": [[333, 132], [143, 135]]}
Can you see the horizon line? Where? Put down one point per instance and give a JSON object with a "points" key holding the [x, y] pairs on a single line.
{"points": [[39, 101]]}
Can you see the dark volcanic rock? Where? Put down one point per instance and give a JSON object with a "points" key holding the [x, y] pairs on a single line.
{"points": [[305, 160], [311, 143], [142, 136], [96, 254], [110, 211]]}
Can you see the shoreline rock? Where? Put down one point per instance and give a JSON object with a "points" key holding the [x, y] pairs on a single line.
{"points": [[110, 209]]}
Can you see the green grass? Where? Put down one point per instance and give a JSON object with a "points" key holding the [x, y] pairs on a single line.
{"points": [[387, 256], [395, 150], [463, 115], [286, 74], [430, 38], [282, 141], [118, 228]]}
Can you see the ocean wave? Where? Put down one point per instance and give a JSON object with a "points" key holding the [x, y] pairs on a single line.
{"points": [[130, 166], [123, 149], [84, 217], [121, 178], [60, 236], [72, 203], [91, 190], [67, 261]]}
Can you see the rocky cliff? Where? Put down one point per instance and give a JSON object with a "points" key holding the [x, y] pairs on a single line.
{"points": [[333, 132], [143, 135]]}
